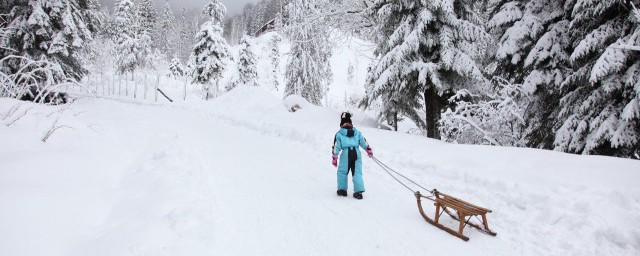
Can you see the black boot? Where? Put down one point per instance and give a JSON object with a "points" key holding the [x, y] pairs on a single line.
{"points": [[342, 192], [358, 195]]}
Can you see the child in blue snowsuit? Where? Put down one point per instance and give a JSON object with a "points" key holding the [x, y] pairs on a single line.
{"points": [[347, 141]]}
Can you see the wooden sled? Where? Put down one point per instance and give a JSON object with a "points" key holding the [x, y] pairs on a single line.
{"points": [[464, 212]]}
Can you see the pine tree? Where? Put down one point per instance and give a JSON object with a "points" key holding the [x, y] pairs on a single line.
{"points": [[175, 68], [185, 40], [166, 35], [53, 30], [146, 17], [210, 50], [247, 70], [274, 55], [308, 72], [600, 109], [533, 50], [425, 49], [127, 45]]}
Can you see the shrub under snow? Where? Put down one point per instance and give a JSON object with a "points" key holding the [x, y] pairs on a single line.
{"points": [[495, 118]]}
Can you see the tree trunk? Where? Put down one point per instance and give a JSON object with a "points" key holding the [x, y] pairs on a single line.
{"points": [[432, 109], [395, 121]]}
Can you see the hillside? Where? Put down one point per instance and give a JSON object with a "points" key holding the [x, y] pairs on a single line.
{"points": [[241, 175]]}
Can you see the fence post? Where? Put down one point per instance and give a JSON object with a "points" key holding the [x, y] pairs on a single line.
{"points": [[146, 86], [119, 85], [135, 88], [113, 84], [185, 88], [102, 82]]}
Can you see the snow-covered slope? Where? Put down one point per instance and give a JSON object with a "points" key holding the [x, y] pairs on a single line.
{"points": [[241, 175]]}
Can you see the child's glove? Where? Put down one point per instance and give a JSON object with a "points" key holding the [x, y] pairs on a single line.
{"points": [[369, 152], [335, 160]]}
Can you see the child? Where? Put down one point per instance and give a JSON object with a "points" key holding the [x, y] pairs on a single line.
{"points": [[347, 140]]}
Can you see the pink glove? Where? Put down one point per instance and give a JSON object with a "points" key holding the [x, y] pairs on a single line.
{"points": [[369, 152], [335, 160]]}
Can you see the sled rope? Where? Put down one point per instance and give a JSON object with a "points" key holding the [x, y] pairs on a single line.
{"points": [[389, 170]]}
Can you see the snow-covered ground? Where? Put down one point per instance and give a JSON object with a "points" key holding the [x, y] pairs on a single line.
{"points": [[240, 175]]}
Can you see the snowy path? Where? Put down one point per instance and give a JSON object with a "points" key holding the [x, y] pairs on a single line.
{"points": [[159, 180]]}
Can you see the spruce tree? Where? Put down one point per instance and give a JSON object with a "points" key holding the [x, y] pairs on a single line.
{"points": [[210, 50], [274, 55], [425, 49], [185, 40], [126, 41], [308, 72], [166, 34], [600, 109], [534, 44], [53, 30], [175, 68], [247, 70], [146, 17]]}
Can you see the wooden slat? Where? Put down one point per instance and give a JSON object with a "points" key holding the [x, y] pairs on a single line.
{"points": [[460, 200], [466, 204], [459, 206]]}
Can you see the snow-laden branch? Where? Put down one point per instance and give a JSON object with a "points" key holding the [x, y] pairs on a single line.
{"points": [[627, 47], [485, 135], [38, 79], [630, 47], [495, 117]]}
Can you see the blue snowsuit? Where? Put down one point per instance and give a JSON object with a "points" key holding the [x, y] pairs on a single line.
{"points": [[347, 141]]}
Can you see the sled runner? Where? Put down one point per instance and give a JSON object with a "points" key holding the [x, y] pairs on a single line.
{"points": [[444, 203], [464, 212]]}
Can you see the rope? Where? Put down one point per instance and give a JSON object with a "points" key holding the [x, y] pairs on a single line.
{"points": [[389, 170]]}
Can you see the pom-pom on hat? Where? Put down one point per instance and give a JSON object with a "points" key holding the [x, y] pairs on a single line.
{"points": [[345, 118]]}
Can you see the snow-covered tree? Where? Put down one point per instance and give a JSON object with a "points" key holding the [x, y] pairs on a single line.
{"points": [[600, 105], [247, 69], [425, 49], [53, 30], [146, 16], [127, 45], [274, 55], [308, 72], [186, 36], [210, 50], [175, 68], [533, 49], [166, 33]]}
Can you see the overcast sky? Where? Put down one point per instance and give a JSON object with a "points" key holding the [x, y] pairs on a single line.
{"points": [[233, 6]]}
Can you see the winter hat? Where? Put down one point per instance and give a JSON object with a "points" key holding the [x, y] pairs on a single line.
{"points": [[345, 118]]}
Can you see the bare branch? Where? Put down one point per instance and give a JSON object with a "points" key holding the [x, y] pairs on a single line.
{"points": [[54, 128], [11, 111], [19, 117]]}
